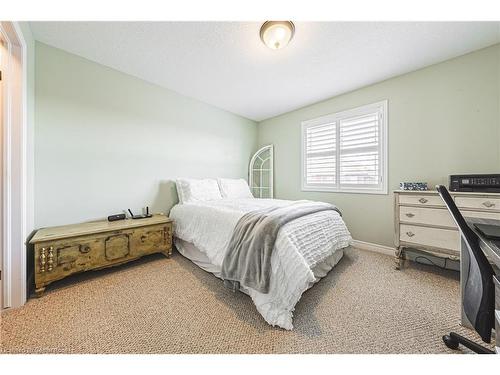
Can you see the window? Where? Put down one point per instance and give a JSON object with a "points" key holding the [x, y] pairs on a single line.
{"points": [[346, 151]]}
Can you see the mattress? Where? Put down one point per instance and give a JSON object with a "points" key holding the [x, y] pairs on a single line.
{"points": [[306, 249], [195, 255]]}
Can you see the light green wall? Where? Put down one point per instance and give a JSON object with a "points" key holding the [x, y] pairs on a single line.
{"points": [[443, 119], [106, 141]]}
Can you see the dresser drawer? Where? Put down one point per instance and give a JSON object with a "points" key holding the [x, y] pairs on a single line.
{"points": [[430, 216], [434, 237], [475, 202], [421, 200]]}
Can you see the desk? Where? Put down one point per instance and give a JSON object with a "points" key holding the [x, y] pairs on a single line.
{"points": [[492, 251]]}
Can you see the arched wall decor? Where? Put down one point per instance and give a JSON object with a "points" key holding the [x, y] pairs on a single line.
{"points": [[260, 173]]}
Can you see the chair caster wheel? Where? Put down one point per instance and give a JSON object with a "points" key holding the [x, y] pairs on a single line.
{"points": [[450, 342]]}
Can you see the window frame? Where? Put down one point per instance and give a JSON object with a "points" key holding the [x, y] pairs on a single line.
{"points": [[381, 108]]}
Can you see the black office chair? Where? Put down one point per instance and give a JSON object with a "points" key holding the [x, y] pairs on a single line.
{"points": [[478, 295]]}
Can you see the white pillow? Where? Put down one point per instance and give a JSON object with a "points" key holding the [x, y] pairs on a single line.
{"points": [[231, 188], [192, 190]]}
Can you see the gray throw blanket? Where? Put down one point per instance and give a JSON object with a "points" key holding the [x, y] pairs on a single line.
{"points": [[248, 257]]}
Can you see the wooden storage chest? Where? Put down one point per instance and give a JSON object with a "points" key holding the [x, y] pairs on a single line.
{"points": [[65, 250]]}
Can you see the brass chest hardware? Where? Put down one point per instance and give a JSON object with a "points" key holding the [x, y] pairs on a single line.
{"points": [[43, 259], [84, 249], [50, 261]]}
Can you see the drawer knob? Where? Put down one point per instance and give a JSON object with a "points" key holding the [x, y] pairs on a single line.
{"points": [[423, 200], [143, 238], [409, 214], [410, 234], [488, 204]]}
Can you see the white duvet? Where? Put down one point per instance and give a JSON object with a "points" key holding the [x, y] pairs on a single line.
{"points": [[301, 245]]}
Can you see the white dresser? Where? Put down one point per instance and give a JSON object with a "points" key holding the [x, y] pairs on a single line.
{"points": [[423, 222]]}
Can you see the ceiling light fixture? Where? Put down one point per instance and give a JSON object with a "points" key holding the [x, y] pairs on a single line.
{"points": [[277, 34]]}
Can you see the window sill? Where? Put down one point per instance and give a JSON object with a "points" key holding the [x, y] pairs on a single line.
{"points": [[348, 191]]}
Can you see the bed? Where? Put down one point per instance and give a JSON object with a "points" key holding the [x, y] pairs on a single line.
{"points": [[306, 249]]}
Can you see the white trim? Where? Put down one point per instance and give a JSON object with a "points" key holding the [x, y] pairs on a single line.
{"points": [[6, 186], [350, 191], [381, 106], [376, 248], [24, 152], [15, 159]]}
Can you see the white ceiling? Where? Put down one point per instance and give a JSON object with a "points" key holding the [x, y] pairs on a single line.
{"points": [[226, 65]]}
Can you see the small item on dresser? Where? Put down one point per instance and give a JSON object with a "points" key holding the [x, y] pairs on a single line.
{"points": [[116, 217], [140, 216], [418, 186]]}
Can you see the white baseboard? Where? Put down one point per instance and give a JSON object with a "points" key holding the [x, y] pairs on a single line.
{"points": [[386, 250]]}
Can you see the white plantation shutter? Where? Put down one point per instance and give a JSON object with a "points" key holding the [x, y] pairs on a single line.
{"points": [[320, 168], [359, 150], [346, 151]]}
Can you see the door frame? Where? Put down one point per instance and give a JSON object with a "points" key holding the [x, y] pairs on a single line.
{"points": [[14, 167]]}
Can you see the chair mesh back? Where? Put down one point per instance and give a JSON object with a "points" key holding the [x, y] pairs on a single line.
{"points": [[478, 294]]}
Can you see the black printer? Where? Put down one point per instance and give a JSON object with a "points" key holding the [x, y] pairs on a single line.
{"points": [[479, 183]]}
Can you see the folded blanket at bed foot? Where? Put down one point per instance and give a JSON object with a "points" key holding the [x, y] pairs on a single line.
{"points": [[248, 257]]}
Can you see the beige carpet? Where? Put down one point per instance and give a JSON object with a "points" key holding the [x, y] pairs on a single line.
{"points": [[159, 305]]}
